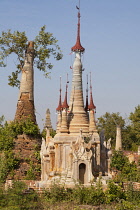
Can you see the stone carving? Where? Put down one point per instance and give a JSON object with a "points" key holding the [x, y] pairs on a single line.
{"points": [[47, 156], [81, 150], [109, 144]]}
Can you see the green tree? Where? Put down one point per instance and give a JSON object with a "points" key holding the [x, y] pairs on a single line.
{"points": [[118, 160], [108, 123], [135, 126], [16, 43]]}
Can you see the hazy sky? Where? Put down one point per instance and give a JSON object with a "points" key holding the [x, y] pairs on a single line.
{"points": [[110, 33]]}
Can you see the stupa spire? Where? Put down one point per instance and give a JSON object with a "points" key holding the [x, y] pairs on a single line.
{"points": [[91, 108], [91, 105], [59, 111], [86, 107], [78, 47], [65, 103], [64, 123], [60, 101], [78, 118]]}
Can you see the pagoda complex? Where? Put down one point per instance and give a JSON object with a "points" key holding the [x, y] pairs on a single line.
{"points": [[76, 153]]}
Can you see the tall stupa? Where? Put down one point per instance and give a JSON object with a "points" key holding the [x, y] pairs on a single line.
{"points": [[74, 154]]}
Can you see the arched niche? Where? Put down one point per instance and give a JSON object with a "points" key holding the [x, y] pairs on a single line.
{"points": [[82, 173]]}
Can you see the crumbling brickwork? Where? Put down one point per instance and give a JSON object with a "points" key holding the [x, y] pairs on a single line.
{"points": [[25, 108]]}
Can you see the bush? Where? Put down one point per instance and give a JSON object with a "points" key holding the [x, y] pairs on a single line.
{"points": [[79, 194], [8, 162], [125, 205], [8, 132], [118, 160], [58, 193], [7, 136], [114, 193], [19, 198], [25, 126], [89, 195], [132, 195], [126, 171]]}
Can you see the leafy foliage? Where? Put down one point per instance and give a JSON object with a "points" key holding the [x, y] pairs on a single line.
{"points": [[45, 46], [114, 192], [16, 43], [132, 195], [118, 160], [18, 197], [127, 171], [57, 197], [79, 194], [124, 204], [91, 195], [57, 193], [8, 162], [130, 133], [135, 125], [108, 123], [8, 132], [26, 126], [31, 172]]}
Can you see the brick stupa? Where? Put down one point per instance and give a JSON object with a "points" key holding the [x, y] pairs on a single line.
{"points": [[26, 146]]}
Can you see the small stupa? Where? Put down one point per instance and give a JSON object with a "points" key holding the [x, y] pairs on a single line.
{"points": [[48, 123]]}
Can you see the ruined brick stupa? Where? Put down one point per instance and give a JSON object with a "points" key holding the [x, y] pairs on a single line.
{"points": [[76, 153], [25, 146]]}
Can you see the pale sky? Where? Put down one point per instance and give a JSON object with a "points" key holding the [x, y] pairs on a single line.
{"points": [[110, 34]]}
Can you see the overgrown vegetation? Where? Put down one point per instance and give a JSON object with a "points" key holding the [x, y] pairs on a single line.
{"points": [[126, 171], [58, 197], [19, 197], [11, 130], [9, 161], [26, 126]]}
